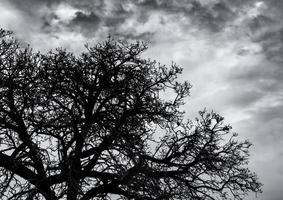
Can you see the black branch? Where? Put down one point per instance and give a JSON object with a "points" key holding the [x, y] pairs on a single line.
{"points": [[96, 126]]}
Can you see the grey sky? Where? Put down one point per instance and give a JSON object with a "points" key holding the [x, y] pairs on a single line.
{"points": [[231, 52]]}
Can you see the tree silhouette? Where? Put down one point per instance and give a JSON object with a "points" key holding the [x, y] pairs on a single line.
{"points": [[95, 126]]}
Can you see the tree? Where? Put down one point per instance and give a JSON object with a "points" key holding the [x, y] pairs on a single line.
{"points": [[95, 126]]}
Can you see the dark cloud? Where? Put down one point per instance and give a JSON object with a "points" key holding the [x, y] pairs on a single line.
{"points": [[88, 5], [240, 3], [260, 22], [112, 15], [168, 6], [46, 21], [266, 29], [274, 4], [272, 43], [85, 23], [211, 17], [118, 15]]}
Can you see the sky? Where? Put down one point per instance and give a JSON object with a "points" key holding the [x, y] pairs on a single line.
{"points": [[231, 52]]}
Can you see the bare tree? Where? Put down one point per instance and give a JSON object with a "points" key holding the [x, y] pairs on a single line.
{"points": [[95, 126]]}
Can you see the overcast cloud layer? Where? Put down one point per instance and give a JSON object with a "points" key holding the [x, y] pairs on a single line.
{"points": [[231, 51]]}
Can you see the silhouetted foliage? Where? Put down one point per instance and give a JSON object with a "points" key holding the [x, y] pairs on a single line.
{"points": [[95, 126]]}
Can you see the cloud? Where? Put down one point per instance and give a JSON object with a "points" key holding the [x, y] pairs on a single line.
{"points": [[31, 6], [86, 23], [112, 15], [266, 28]]}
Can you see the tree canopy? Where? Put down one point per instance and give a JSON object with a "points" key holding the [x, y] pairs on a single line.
{"points": [[96, 126]]}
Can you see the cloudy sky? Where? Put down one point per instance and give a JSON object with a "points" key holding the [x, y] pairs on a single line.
{"points": [[231, 52]]}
